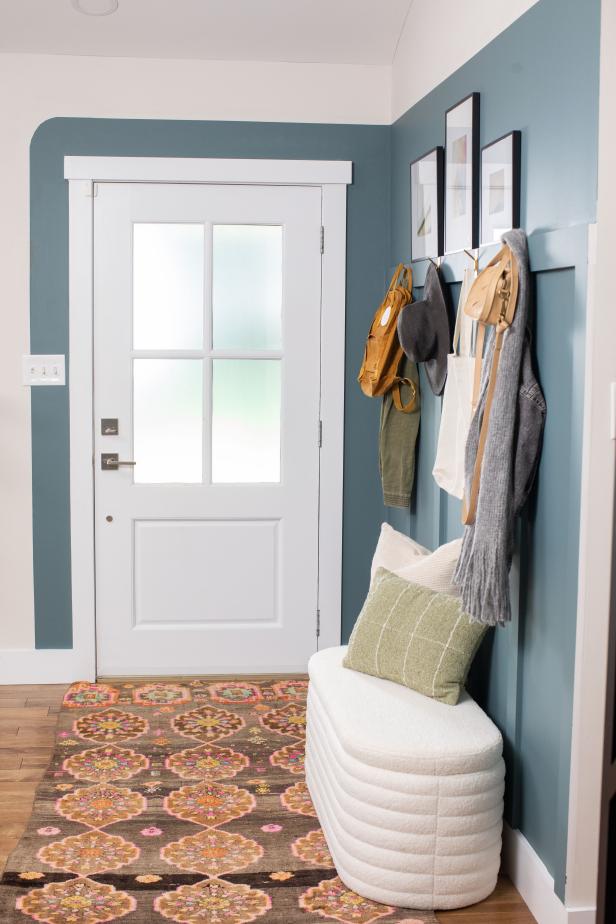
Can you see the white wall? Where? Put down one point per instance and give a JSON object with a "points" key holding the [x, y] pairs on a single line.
{"points": [[38, 87], [439, 36]]}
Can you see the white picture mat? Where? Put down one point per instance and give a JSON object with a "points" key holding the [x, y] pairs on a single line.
{"points": [[496, 190], [459, 177], [424, 205]]}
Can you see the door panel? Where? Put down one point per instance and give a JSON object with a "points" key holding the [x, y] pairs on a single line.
{"points": [[178, 561], [206, 351]]}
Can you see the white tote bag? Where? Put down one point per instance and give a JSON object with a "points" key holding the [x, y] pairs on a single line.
{"points": [[457, 411]]}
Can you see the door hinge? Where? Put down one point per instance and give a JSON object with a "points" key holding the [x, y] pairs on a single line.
{"points": [[322, 239], [318, 623], [91, 190], [320, 434]]}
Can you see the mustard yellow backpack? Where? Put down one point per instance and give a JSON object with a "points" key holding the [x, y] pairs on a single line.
{"points": [[383, 353]]}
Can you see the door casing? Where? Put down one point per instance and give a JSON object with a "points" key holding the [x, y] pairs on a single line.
{"points": [[83, 175]]}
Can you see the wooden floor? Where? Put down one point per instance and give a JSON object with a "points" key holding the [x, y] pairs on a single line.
{"points": [[28, 716], [504, 906]]}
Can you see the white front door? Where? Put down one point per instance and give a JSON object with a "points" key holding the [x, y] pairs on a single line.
{"points": [[206, 381]]}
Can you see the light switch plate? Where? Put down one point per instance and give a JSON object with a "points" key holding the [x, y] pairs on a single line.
{"points": [[43, 369]]}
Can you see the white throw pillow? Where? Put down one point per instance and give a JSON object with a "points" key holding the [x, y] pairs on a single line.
{"points": [[409, 560]]}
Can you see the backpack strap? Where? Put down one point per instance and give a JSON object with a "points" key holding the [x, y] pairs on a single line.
{"points": [[396, 394], [397, 397], [395, 279]]}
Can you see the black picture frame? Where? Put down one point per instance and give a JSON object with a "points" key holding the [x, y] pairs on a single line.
{"points": [[425, 245], [501, 168], [462, 174]]}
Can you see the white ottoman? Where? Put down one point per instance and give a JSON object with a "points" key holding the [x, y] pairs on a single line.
{"points": [[409, 791]]}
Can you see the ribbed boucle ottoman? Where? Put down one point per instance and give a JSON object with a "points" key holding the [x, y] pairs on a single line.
{"points": [[409, 791]]}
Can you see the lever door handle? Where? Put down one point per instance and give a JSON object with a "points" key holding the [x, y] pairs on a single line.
{"points": [[111, 461]]}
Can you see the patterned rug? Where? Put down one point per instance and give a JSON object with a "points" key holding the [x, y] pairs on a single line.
{"points": [[180, 801]]}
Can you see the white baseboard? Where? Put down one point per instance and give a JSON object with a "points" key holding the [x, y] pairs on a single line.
{"points": [[67, 665], [48, 665], [535, 885]]}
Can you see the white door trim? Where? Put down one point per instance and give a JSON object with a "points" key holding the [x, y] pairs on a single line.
{"points": [[208, 170], [82, 173]]}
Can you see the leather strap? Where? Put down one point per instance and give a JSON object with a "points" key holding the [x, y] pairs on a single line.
{"points": [[405, 280], [503, 256], [394, 278], [396, 387], [397, 397], [479, 344]]}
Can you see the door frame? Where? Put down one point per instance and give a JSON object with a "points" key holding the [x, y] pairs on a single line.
{"points": [[82, 174]]}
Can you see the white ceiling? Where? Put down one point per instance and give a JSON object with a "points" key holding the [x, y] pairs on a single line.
{"points": [[324, 31]]}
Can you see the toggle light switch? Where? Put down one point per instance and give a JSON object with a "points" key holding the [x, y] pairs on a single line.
{"points": [[40, 369]]}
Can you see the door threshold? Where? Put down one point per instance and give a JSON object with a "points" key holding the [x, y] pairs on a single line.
{"points": [[120, 678]]}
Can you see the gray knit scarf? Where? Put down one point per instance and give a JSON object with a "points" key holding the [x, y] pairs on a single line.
{"points": [[487, 548]]}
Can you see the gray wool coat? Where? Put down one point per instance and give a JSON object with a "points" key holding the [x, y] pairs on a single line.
{"points": [[510, 460]]}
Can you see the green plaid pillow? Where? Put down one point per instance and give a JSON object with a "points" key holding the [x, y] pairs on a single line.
{"points": [[414, 636]]}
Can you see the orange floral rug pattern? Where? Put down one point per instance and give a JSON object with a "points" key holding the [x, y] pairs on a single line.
{"points": [[180, 801]]}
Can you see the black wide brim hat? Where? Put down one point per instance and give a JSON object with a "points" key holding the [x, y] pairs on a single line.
{"points": [[424, 330]]}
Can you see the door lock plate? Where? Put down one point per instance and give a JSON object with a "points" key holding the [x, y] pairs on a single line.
{"points": [[109, 461], [109, 426]]}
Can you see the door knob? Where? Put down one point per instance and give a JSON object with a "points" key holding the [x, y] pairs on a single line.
{"points": [[110, 461]]}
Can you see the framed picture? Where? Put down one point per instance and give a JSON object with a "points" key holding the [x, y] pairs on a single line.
{"points": [[427, 204], [500, 187], [462, 174]]}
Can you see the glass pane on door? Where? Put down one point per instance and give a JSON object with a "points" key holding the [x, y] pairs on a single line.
{"points": [[168, 286], [168, 420], [247, 287], [246, 420]]}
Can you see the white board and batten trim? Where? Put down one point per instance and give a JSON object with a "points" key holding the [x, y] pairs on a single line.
{"points": [[534, 883]]}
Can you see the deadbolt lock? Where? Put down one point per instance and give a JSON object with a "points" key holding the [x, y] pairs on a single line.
{"points": [[109, 426]]}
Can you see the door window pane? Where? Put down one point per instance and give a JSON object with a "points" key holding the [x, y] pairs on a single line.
{"points": [[168, 420], [168, 269], [246, 420], [247, 287]]}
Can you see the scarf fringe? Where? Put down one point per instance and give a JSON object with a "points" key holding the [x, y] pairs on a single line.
{"points": [[466, 555], [485, 584]]}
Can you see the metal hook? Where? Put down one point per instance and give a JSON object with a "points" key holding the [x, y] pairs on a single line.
{"points": [[474, 258], [434, 262]]}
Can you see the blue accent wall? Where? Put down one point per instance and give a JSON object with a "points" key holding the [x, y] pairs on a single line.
{"points": [[541, 76], [368, 219]]}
